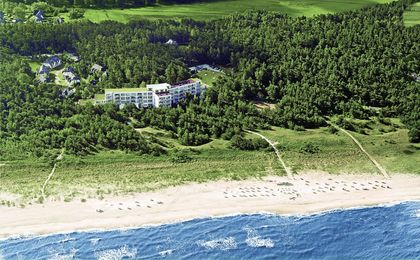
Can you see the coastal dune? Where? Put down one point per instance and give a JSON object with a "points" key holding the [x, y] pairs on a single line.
{"points": [[304, 194]]}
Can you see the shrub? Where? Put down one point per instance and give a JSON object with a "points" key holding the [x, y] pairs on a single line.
{"points": [[248, 144], [76, 14], [181, 157], [310, 148], [414, 135], [332, 129]]}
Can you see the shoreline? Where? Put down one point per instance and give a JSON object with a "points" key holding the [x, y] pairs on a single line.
{"points": [[122, 229], [308, 194]]}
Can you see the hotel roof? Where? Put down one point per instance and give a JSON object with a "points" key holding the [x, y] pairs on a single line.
{"points": [[161, 86], [100, 96], [125, 90]]}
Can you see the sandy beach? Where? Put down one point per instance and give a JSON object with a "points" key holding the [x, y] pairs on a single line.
{"points": [[306, 193]]}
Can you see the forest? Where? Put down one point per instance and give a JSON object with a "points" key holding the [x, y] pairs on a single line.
{"points": [[352, 65]]}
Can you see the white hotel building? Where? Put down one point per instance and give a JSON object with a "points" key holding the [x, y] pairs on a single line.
{"points": [[156, 95]]}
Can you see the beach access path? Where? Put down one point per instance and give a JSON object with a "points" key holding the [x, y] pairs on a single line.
{"points": [[375, 162], [59, 158], [287, 169]]}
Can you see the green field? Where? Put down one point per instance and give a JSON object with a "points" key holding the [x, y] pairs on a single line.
{"points": [[412, 16], [116, 172], [34, 65], [208, 77], [216, 9], [338, 154]]}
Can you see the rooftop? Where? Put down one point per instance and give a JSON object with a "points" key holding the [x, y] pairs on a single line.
{"points": [[53, 59], [162, 94], [125, 90], [97, 67], [100, 97], [188, 81]]}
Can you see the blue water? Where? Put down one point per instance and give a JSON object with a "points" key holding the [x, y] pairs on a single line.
{"points": [[386, 232]]}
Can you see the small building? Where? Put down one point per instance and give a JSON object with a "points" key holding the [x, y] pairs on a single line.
{"points": [[17, 20], [73, 57], [2, 20], [43, 69], [39, 16], [72, 79], [70, 76], [53, 62], [202, 67], [43, 78], [96, 68], [171, 42], [59, 20], [68, 91], [416, 76], [43, 74], [68, 70]]}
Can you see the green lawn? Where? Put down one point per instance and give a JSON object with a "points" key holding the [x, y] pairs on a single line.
{"points": [[208, 77], [216, 9], [412, 16], [34, 65], [58, 77]]}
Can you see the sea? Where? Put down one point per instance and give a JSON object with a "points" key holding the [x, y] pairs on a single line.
{"points": [[381, 232]]}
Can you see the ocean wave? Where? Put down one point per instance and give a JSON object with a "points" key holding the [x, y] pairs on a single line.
{"points": [[69, 256], [94, 241], [221, 244], [175, 222], [166, 253], [67, 238], [255, 240], [117, 254], [417, 214]]}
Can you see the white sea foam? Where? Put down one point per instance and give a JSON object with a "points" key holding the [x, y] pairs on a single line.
{"points": [[222, 243], [418, 213], [117, 254], [166, 253], [69, 256], [94, 241], [66, 238], [62, 257], [255, 240]]}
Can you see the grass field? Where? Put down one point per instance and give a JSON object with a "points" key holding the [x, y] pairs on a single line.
{"points": [[116, 172], [218, 8], [412, 16], [338, 154], [208, 77], [34, 65]]}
